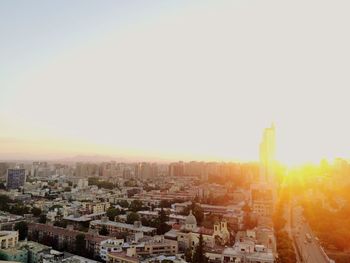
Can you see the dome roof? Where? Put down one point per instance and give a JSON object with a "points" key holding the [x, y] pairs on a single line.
{"points": [[191, 219]]}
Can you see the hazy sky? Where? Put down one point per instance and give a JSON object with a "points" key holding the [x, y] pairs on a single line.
{"points": [[174, 79]]}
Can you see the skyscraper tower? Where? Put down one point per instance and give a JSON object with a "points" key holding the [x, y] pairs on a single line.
{"points": [[267, 154], [16, 178], [264, 193]]}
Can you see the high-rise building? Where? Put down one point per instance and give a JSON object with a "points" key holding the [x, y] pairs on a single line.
{"points": [[264, 193], [267, 154], [15, 178], [176, 169]]}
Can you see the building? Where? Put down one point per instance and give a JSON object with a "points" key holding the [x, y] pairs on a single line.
{"points": [[262, 200], [9, 250], [267, 154], [15, 178], [176, 169], [24, 251], [264, 193], [64, 238], [158, 245], [130, 256], [188, 234], [78, 259], [96, 208], [142, 248], [110, 246], [254, 246], [117, 227], [247, 252], [35, 250], [162, 258], [19, 254], [8, 239], [84, 220]]}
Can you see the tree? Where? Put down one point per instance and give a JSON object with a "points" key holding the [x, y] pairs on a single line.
{"points": [[4, 202], [42, 219], [36, 211], [112, 213], [61, 223], [163, 227], [210, 220], [249, 222], [199, 254], [22, 228], [80, 244], [19, 209], [136, 205], [100, 184], [188, 255], [103, 231], [165, 204], [146, 222], [130, 183], [132, 217], [278, 219], [123, 203], [197, 212]]}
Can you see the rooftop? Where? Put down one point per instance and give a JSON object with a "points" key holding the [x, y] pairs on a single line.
{"points": [[123, 225]]}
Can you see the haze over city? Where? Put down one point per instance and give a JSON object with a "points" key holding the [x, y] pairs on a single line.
{"points": [[174, 131], [174, 80]]}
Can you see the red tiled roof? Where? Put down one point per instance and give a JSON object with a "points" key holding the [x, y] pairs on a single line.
{"points": [[176, 226]]}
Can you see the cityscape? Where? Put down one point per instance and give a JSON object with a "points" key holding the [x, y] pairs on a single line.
{"points": [[174, 132]]}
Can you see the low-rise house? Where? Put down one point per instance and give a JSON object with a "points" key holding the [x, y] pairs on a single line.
{"points": [[130, 256], [255, 246], [117, 227], [109, 246], [8, 239], [7, 221], [84, 220], [162, 258], [97, 207], [143, 246]]}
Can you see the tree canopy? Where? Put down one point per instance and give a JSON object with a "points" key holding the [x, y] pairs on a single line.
{"points": [[22, 228]]}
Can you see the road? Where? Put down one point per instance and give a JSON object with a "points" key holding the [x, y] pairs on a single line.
{"points": [[311, 252]]}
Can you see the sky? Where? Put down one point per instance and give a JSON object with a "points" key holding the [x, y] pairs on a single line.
{"points": [[174, 80]]}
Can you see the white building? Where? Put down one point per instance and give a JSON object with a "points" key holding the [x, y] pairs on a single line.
{"points": [[8, 239], [110, 245]]}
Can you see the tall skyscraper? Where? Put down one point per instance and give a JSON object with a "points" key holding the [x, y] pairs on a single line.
{"points": [[15, 178], [264, 193], [267, 154]]}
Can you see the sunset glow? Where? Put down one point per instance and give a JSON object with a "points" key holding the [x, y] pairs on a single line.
{"points": [[177, 81], [174, 131]]}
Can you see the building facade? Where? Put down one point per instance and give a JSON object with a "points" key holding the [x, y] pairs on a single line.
{"points": [[15, 178]]}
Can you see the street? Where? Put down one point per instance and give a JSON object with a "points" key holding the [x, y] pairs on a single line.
{"points": [[310, 250]]}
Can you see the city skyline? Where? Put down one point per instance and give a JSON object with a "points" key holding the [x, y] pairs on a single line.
{"points": [[174, 131], [174, 81]]}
